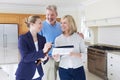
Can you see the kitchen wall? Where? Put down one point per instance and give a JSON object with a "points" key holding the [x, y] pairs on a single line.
{"points": [[76, 12], [109, 35], [103, 9], [103, 19], [15, 8]]}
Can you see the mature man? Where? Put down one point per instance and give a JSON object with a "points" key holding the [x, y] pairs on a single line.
{"points": [[51, 29]]}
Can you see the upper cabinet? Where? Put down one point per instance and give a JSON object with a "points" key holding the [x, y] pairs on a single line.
{"points": [[19, 19], [22, 26], [58, 19], [9, 18]]}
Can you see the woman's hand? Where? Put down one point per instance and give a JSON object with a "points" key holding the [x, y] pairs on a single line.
{"points": [[56, 57], [43, 59], [75, 54], [47, 47]]}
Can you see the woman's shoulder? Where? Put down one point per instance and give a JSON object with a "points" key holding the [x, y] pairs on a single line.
{"points": [[77, 36], [22, 38], [40, 37], [23, 35], [59, 37]]}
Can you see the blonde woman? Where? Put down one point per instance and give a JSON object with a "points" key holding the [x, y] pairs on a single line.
{"points": [[70, 65]]}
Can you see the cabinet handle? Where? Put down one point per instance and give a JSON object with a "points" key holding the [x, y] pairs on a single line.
{"points": [[111, 65], [0, 68], [111, 57], [4, 40], [111, 74]]}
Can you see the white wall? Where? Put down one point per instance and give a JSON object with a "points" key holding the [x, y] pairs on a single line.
{"points": [[15, 8], [109, 35], [75, 12], [103, 9], [105, 14]]}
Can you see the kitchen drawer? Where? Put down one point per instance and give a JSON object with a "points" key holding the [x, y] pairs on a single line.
{"points": [[97, 62], [91, 65], [113, 67]]}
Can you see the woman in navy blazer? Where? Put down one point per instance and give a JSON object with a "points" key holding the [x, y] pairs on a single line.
{"points": [[32, 47]]}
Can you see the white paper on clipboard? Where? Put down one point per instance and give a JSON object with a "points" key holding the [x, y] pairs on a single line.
{"points": [[62, 50]]}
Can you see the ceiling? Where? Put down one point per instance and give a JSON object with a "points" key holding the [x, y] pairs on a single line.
{"points": [[38, 6], [43, 3]]}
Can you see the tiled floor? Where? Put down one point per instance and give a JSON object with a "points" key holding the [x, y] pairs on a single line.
{"points": [[91, 76], [7, 73]]}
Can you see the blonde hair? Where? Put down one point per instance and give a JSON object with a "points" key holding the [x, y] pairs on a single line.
{"points": [[31, 19], [52, 8], [72, 24]]}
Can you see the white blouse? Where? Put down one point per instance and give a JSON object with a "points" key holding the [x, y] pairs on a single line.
{"points": [[36, 72], [79, 47]]}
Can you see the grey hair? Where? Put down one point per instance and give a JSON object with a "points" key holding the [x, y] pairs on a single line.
{"points": [[52, 7]]}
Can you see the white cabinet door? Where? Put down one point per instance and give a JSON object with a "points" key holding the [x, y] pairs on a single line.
{"points": [[8, 43], [1, 44], [113, 66], [11, 37]]}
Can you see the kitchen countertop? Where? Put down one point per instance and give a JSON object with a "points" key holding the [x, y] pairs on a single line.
{"points": [[105, 47], [99, 44], [114, 52]]}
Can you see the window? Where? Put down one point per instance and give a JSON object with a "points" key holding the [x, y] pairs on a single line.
{"points": [[84, 29]]}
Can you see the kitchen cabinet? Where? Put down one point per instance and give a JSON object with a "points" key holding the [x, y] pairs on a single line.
{"points": [[8, 43], [97, 63], [113, 65], [22, 26], [11, 18], [58, 19]]}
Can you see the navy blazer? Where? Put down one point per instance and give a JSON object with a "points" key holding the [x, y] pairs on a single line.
{"points": [[27, 66]]}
